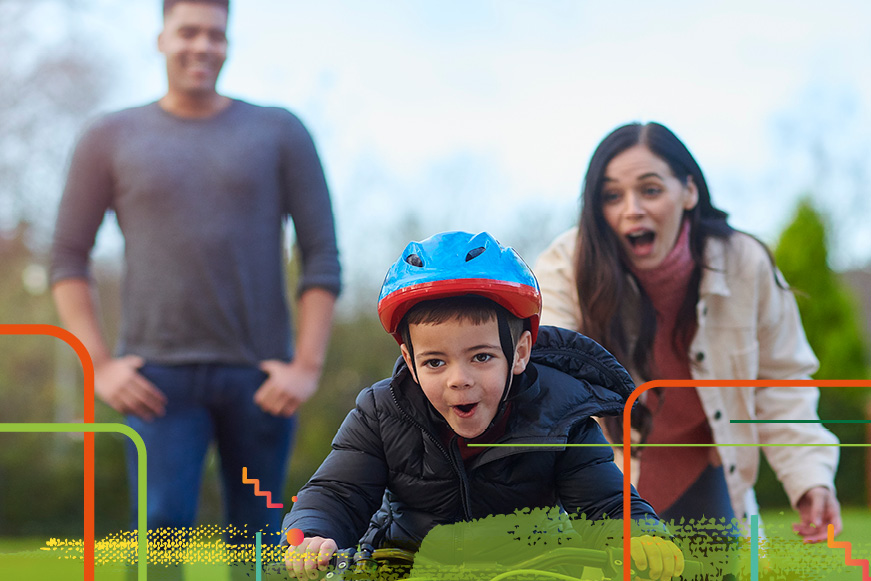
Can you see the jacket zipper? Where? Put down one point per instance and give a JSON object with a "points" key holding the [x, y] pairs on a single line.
{"points": [[460, 473], [464, 481]]}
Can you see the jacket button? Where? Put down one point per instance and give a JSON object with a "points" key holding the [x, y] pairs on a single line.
{"points": [[718, 415], [700, 356], [731, 469]]}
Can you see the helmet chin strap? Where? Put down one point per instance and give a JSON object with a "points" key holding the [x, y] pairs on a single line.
{"points": [[508, 350], [410, 348], [507, 344]]}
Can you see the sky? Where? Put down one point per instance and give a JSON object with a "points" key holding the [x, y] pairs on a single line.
{"points": [[482, 114]]}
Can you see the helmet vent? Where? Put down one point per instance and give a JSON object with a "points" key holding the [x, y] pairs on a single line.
{"points": [[474, 253], [414, 260]]}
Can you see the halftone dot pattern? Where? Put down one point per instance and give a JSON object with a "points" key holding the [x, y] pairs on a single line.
{"points": [[172, 547], [781, 555]]}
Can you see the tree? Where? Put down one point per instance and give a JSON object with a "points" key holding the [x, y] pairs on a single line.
{"points": [[831, 320], [53, 78]]}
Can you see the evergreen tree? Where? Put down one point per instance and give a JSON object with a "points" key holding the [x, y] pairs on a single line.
{"points": [[829, 311]]}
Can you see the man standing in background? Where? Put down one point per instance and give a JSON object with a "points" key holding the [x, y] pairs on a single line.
{"points": [[202, 185]]}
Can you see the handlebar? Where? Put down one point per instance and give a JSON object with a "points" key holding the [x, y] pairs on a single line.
{"points": [[610, 561], [369, 564]]}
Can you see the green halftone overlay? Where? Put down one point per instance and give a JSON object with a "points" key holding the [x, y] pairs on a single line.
{"points": [[546, 544], [529, 544]]}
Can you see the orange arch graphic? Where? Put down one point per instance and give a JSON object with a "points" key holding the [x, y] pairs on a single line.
{"points": [[627, 442], [88, 370]]}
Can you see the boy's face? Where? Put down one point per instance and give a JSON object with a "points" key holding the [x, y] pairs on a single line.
{"points": [[462, 370]]}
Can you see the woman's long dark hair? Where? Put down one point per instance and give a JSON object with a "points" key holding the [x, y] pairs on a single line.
{"points": [[601, 269]]}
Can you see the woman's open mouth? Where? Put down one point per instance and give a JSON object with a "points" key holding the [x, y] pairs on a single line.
{"points": [[641, 241], [465, 410]]}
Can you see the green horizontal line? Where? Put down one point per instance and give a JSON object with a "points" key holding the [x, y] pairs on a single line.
{"points": [[800, 421], [659, 445]]}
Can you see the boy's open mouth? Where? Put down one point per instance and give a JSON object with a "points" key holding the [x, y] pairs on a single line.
{"points": [[465, 410]]}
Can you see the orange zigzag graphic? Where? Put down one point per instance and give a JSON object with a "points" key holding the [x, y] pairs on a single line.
{"points": [[848, 548], [257, 491]]}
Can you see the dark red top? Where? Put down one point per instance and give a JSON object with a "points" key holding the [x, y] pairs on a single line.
{"points": [[678, 416]]}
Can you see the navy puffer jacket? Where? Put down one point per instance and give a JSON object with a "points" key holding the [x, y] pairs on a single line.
{"points": [[388, 450]]}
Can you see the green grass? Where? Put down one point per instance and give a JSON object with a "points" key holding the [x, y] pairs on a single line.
{"points": [[19, 544], [786, 551], [857, 524], [22, 557]]}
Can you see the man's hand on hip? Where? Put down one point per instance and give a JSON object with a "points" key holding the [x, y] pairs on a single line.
{"points": [[118, 383], [288, 386]]}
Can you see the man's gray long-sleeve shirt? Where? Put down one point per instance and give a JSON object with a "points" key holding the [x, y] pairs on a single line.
{"points": [[202, 205]]}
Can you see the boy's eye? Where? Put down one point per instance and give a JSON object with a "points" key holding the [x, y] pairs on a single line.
{"points": [[482, 357], [433, 363]]}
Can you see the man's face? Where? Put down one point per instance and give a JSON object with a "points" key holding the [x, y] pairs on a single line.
{"points": [[462, 370], [194, 42]]}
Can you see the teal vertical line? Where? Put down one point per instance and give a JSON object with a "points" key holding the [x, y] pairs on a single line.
{"points": [[52, 427], [754, 547], [257, 566]]}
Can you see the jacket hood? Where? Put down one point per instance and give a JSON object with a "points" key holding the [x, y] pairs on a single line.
{"points": [[585, 360]]}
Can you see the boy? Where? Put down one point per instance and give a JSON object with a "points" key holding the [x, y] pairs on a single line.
{"points": [[465, 313]]}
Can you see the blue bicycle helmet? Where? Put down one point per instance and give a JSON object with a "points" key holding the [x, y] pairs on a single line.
{"points": [[456, 264]]}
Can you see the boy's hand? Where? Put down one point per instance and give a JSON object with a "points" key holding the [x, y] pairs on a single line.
{"points": [[312, 555], [661, 558]]}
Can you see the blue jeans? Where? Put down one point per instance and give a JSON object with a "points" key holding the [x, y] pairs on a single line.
{"points": [[209, 402], [706, 498]]}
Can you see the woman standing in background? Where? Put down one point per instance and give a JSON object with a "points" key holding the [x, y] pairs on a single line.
{"points": [[655, 274]]}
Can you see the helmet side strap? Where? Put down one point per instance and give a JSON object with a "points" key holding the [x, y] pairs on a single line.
{"points": [[410, 348], [507, 344]]}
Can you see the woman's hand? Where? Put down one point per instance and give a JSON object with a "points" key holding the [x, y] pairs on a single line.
{"points": [[661, 558], [308, 558], [818, 508]]}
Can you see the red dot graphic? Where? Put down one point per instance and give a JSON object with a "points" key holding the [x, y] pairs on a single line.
{"points": [[295, 537]]}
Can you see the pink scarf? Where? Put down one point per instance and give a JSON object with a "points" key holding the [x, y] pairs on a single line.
{"points": [[666, 473]]}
